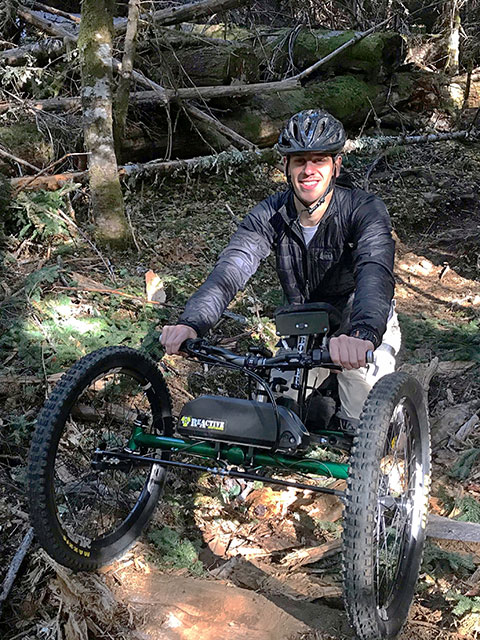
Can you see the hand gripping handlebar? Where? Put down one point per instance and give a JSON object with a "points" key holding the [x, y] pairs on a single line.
{"points": [[201, 349]]}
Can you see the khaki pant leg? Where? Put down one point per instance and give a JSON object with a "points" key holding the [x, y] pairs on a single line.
{"points": [[354, 385]]}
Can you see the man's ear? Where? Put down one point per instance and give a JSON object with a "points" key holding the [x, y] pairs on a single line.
{"points": [[338, 165]]}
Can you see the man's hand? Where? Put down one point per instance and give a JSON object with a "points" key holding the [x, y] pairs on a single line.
{"points": [[174, 335], [349, 352]]}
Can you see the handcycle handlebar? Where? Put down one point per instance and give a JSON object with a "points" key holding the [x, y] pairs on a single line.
{"points": [[202, 350]]}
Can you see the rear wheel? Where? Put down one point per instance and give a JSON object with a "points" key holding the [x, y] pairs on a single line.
{"points": [[85, 516], [386, 507]]}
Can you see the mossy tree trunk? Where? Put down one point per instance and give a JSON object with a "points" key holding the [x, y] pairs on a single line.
{"points": [[95, 45], [453, 36]]}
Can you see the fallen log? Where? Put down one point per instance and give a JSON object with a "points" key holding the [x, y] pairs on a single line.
{"points": [[205, 93], [55, 11], [71, 37], [368, 52], [200, 164], [47, 26], [221, 161], [186, 13], [370, 144], [43, 49], [49, 183], [185, 60], [447, 529], [348, 98], [51, 104]]}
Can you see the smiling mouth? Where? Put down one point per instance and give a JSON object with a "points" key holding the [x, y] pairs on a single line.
{"points": [[309, 183]]}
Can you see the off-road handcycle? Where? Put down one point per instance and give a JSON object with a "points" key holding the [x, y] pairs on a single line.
{"points": [[106, 439]]}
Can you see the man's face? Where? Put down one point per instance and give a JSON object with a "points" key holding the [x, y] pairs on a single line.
{"points": [[311, 172]]}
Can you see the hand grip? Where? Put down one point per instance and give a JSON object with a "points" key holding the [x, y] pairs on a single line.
{"points": [[187, 345]]}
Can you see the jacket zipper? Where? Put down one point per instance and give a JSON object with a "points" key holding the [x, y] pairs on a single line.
{"points": [[305, 249], [305, 260]]}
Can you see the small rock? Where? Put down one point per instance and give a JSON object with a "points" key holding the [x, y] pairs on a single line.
{"points": [[432, 197]]}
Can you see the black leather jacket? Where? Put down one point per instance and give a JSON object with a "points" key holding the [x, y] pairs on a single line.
{"points": [[352, 252]]}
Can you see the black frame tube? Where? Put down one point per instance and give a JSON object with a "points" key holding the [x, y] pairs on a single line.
{"points": [[219, 471]]}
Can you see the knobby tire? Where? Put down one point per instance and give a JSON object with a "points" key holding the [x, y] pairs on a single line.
{"points": [[386, 507], [83, 517]]}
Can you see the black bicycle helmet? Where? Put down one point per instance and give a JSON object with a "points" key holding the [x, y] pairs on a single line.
{"points": [[312, 130]]}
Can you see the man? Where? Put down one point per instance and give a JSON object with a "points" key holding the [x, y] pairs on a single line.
{"points": [[332, 244]]}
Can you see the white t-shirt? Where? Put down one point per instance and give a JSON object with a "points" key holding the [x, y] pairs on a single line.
{"points": [[308, 233]]}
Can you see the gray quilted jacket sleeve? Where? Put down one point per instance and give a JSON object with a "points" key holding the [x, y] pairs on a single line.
{"points": [[373, 257], [250, 244]]}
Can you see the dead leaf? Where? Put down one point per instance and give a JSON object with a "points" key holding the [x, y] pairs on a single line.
{"points": [[154, 287]]}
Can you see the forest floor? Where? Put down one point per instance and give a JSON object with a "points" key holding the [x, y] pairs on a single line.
{"points": [[219, 558]]}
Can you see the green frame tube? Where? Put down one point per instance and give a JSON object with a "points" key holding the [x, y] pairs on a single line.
{"points": [[237, 455]]}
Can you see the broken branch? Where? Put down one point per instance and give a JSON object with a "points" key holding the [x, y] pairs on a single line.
{"points": [[56, 12], [15, 566], [217, 125], [311, 554], [186, 13], [6, 154], [306, 72], [465, 430]]}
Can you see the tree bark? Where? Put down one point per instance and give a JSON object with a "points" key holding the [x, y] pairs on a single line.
{"points": [[453, 36], [123, 89], [95, 45]]}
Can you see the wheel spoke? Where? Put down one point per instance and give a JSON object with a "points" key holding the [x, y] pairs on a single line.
{"points": [[90, 501]]}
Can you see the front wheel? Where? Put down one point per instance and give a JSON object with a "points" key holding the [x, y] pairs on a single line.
{"points": [[85, 515], [386, 507]]}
